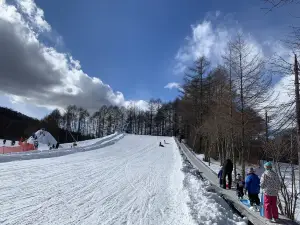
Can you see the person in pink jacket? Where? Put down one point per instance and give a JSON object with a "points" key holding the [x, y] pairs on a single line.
{"points": [[270, 183]]}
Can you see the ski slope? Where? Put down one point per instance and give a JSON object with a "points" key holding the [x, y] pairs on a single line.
{"points": [[131, 182]]}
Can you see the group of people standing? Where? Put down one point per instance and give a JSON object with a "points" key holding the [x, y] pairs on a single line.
{"points": [[269, 183]]}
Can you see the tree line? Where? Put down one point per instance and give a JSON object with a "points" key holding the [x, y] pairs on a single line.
{"points": [[77, 123], [158, 119]]}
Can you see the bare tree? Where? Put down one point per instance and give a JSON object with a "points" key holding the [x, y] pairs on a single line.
{"points": [[194, 95], [250, 80]]}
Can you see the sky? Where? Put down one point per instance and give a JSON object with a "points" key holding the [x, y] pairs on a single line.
{"points": [[89, 53]]}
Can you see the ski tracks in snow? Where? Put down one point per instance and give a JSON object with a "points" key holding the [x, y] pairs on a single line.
{"points": [[131, 182]]}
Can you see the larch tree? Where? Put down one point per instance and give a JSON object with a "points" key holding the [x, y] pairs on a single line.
{"points": [[251, 81]]}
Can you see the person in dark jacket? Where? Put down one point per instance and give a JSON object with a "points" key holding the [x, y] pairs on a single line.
{"points": [[253, 187], [220, 176], [227, 172]]}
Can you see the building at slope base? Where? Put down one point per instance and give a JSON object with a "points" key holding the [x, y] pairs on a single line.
{"points": [[43, 137]]}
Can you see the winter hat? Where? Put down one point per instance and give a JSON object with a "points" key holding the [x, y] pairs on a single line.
{"points": [[268, 165], [251, 170]]}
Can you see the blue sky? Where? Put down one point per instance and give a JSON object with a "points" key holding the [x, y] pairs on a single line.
{"points": [[134, 46]]}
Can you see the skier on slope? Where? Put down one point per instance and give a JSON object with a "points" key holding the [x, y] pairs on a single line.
{"points": [[227, 172], [252, 186], [270, 183]]}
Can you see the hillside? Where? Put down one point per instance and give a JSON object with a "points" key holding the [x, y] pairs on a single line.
{"points": [[15, 125]]}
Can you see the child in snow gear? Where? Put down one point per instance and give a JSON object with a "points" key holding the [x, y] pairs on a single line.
{"points": [[220, 176], [160, 144], [227, 172], [253, 187], [240, 184], [270, 183]]}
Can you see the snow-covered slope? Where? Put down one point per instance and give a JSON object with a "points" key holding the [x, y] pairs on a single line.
{"points": [[38, 154], [131, 182], [87, 142]]}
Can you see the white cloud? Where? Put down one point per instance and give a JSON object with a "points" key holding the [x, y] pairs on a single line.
{"points": [[31, 72], [205, 40], [173, 85], [209, 38], [140, 104]]}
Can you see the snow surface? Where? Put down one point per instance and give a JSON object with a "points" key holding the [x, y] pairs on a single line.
{"points": [[44, 146], [86, 142], [206, 205], [37, 154], [130, 182]]}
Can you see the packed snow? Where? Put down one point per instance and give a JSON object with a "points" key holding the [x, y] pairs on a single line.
{"points": [[133, 181], [86, 142], [37, 154], [207, 206], [45, 140]]}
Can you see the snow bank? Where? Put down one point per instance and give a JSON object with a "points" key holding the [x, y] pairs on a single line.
{"points": [[37, 154], [86, 142], [181, 198], [207, 207]]}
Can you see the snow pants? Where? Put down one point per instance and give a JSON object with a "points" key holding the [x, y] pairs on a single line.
{"points": [[229, 175], [270, 205], [254, 199], [239, 191]]}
